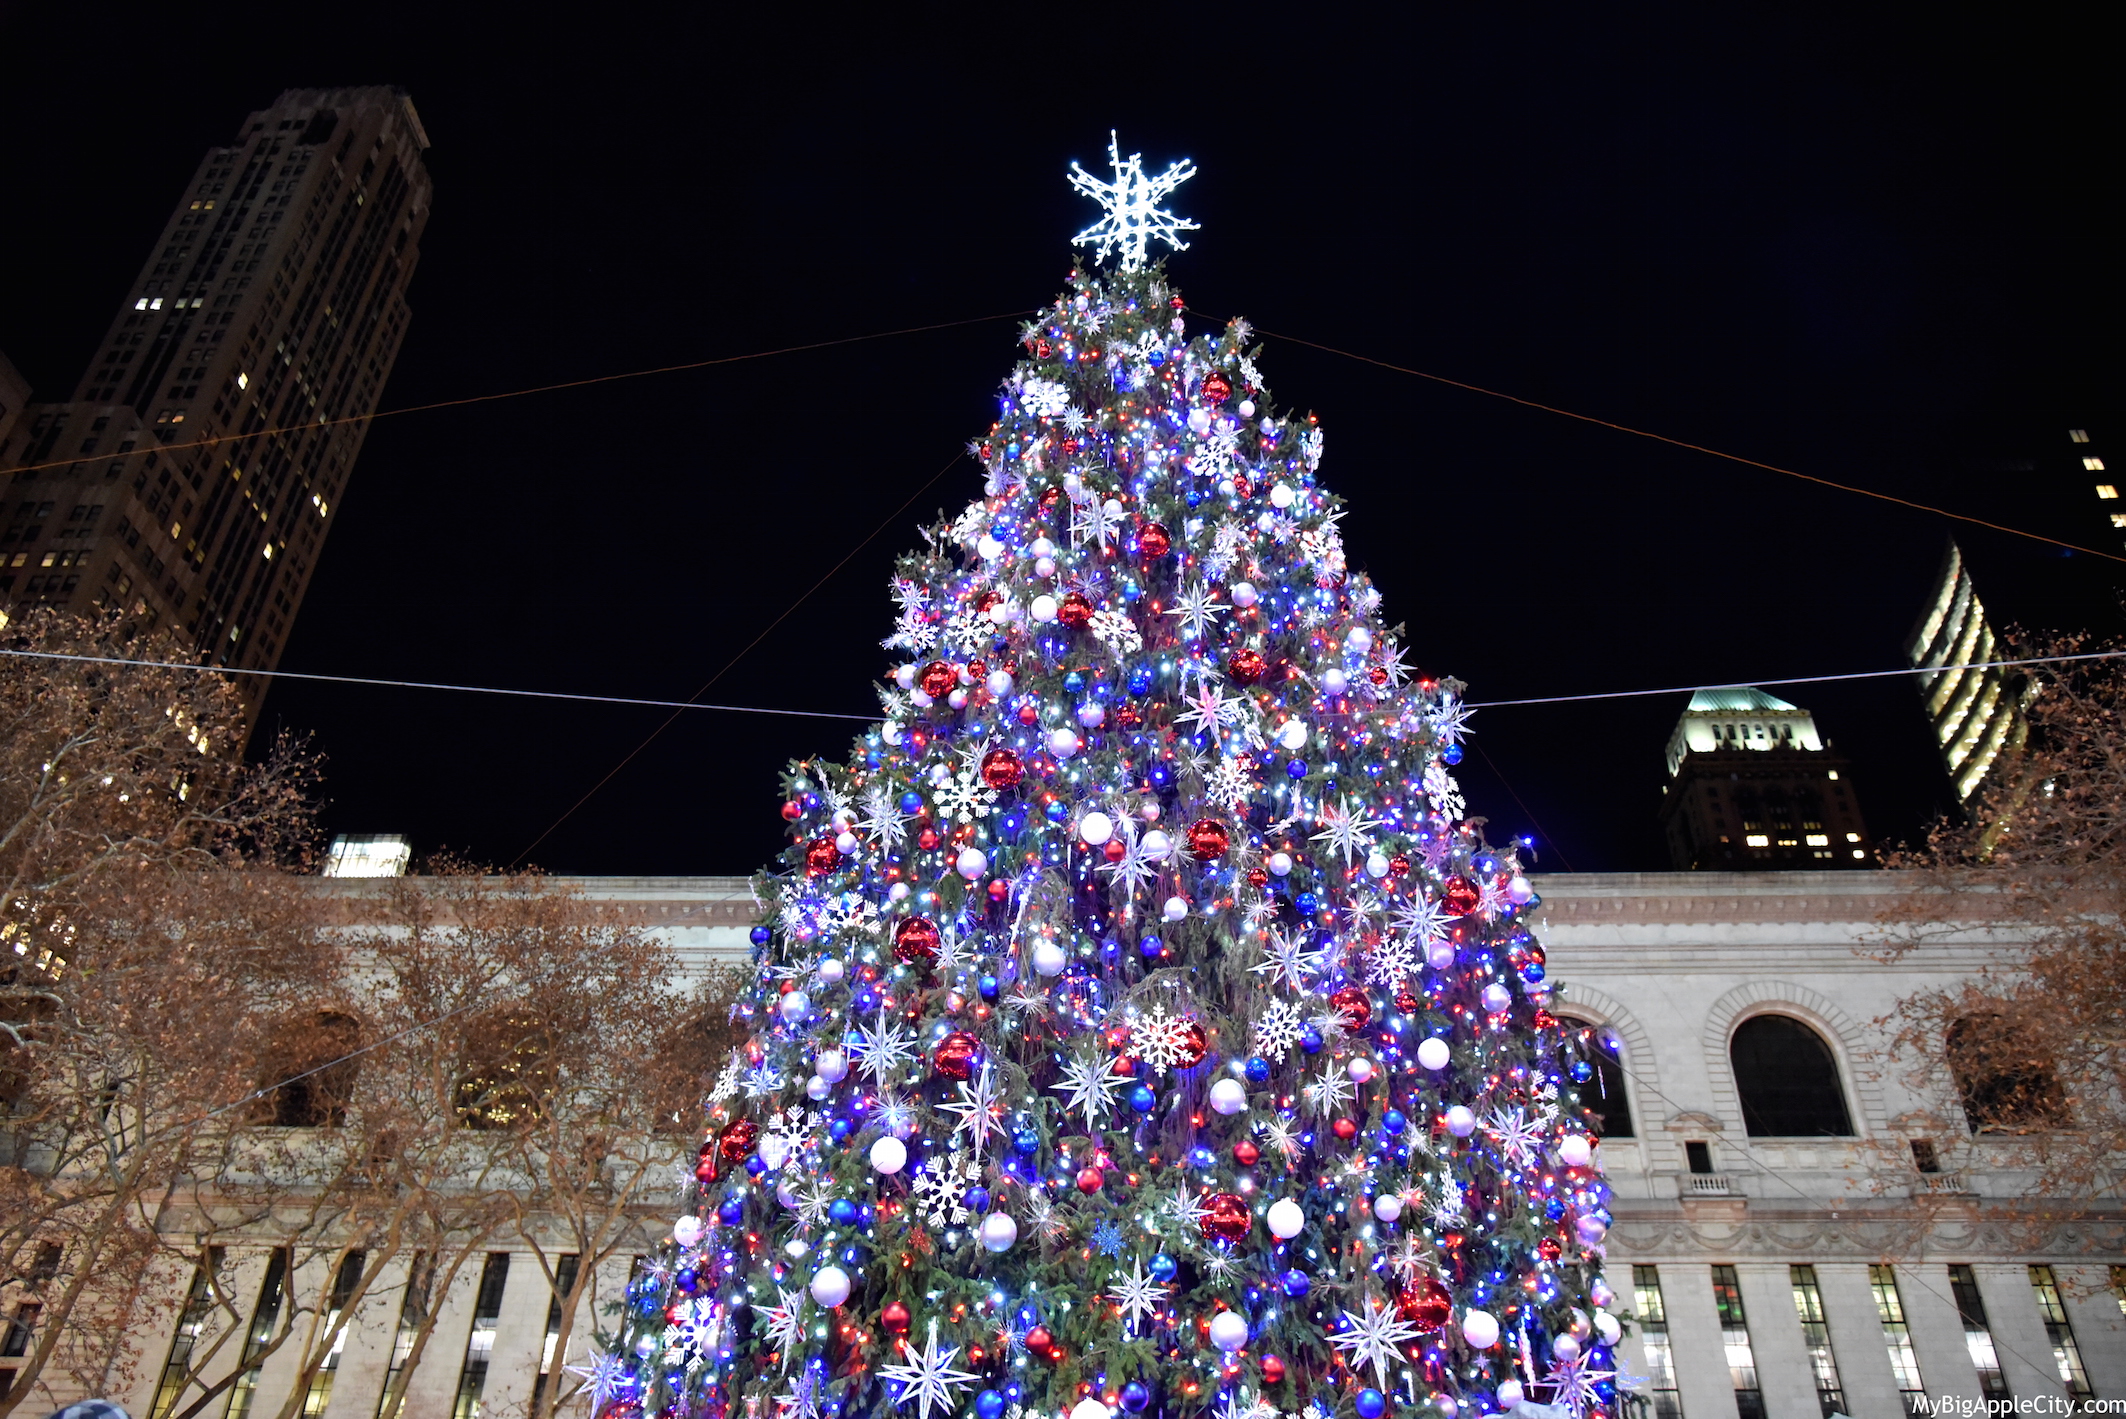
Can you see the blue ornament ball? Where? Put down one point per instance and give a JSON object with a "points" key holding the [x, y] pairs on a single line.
{"points": [[1554, 1210], [1142, 1099], [911, 802], [1371, 1404], [732, 1211], [1141, 680], [840, 1129], [988, 1404], [1135, 1396], [1582, 1071], [761, 936], [1393, 1123], [976, 1199], [756, 1165], [1258, 1070], [842, 1212], [1026, 1142], [1296, 769], [1150, 948], [988, 987], [1296, 1283], [1310, 1040], [1057, 811], [1451, 755], [1161, 1267], [1074, 683]]}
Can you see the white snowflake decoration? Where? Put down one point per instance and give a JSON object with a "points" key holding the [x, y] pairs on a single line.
{"points": [[785, 1322], [1159, 1039], [940, 1187], [1228, 784], [1277, 1029], [1045, 397], [1347, 830], [1423, 921], [964, 796], [792, 1127], [1117, 632], [978, 1107], [1519, 1137], [1288, 962], [1329, 1091], [1197, 608], [1446, 795], [883, 818], [883, 1050], [1391, 961], [1132, 214]]}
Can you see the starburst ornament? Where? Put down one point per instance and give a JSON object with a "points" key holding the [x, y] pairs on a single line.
{"points": [[1133, 214], [1138, 1295], [1375, 1335], [928, 1377]]}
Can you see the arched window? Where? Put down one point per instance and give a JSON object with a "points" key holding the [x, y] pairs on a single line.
{"points": [[1788, 1080], [2006, 1080], [308, 1054], [1602, 1091]]}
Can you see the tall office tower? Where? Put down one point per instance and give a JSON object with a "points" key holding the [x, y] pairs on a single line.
{"points": [[1752, 787], [194, 474], [1975, 714]]}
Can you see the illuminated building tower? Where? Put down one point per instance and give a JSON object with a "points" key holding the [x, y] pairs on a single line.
{"points": [[1752, 787], [1975, 714], [206, 447]]}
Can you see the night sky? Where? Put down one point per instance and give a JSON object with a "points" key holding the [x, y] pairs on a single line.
{"points": [[1874, 247]]}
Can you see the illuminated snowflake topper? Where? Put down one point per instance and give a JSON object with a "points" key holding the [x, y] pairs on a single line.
{"points": [[1132, 200]]}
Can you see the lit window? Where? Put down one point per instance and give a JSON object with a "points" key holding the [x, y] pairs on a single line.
{"points": [[2078, 435], [1858, 853], [243, 381], [1852, 837], [2106, 490], [2094, 465], [1818, 839], [1757, 840], [1834, 773], [155, 304], [269, 551], [141, 304], [2118, 519]]}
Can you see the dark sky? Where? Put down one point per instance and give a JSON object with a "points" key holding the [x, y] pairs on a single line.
{"points": [[1873, 246]]}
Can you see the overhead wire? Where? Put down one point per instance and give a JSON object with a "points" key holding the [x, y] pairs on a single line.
{"points": [[217, 440]]}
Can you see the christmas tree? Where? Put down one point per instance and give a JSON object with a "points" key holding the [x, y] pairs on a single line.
{"points": [[1142, 1024]]}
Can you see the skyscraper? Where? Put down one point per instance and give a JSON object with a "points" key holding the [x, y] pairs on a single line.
{"points": [[1975, 714], [1753, 787], [194, 473]]}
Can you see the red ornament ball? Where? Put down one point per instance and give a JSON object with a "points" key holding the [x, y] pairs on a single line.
{"points": [[895, 1318], [1216, 388], [1246, 666], [1460, 895], [1272, 1370], [821, 856], [927, 839], [1406, 1002], [1354, 1005], [956, 1054], [1426, 1305], [737, 1140], [1258, 876], [1076, 611], [1090, 1179], [1155, 540], [937, 679], [1115, 850], [915, 941], [1548, 1249], [792, 811], [1195, 1048], [1241, 486], [1208, 839], [1345, 1128], [1039, 1340], [999, 890], [1001, 769], [1225, 1217], [1399, 865], [1246, 1154], [1029, 715]]}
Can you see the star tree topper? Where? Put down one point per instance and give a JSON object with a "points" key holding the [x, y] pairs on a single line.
{"points": [[1134, 215]]}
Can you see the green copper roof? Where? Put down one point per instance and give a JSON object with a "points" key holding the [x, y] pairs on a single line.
{"points": [[1734, 698]]}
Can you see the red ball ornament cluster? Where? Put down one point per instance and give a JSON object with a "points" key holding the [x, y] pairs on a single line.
{"points": [[915, 941], [937, 679], [1209, 839], [737, 1140], [1002, 770], [1216, 388], [955, 1055], [821, 857], [1460, 895], [1155, 540], [1426, 1304], [1225, 1217], [1354, 1005], [1246, 666], [1076, 610]]}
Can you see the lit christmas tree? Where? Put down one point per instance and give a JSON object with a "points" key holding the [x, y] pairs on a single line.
{"points": [[1142, 1025]]}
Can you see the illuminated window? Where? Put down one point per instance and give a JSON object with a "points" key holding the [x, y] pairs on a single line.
{"points": [[2106, 490], [1852, 837], [1816, 1336], [1817, 839], [1653, 1335], [1858, 853], [2118, 519], [1735, 1340], [2066, 1355], [243, 381], [1897, 1338], [1834, 775], [2078, 435], [1978, 1336], [1756, 840], [2094, 465]]}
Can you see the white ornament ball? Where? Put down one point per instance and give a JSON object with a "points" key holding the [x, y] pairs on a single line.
{"points": [[1003, 613], [1042, 610], [1360, 1069], [1600, 1293], [1229, 1331], [1246, 408], [795, 1007], [1148, 810], [1096, 828], [831, 969], [1460, 1121], [1293, 735], [1045, 567], [774, 1150], [1519, 889], [1565, 1348], [846, 844], [1228, 1096], [1607, 1327], [1063, 742], [1286, 1219], [830, 1286], [898, 892], [1377, 864], [988, 548], [1114, 508], [904, 676], [1280, 864], [957, 699], [1091, 715], [687, 1231], [999, 1232], [1282, 496], [1244, 595], [1199, 422], [972, 863], [1042, 547], [1387, 1207], [1359, 641], [817, 1088], [1434, 1055], [1049, 959], [1440, 954], [1575, 1151], [832, 1066], [889, 1155], [999, 682], [1176, 908], [1581, 1327], [891, 731], [1497, 998], [1335, 681], [1480, 1329], [1090, 1409], [1155, 845], [1511, 1394], [920, 699]]}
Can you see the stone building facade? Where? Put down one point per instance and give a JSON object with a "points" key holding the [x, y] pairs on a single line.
{"points": [[1773, 1275]]}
